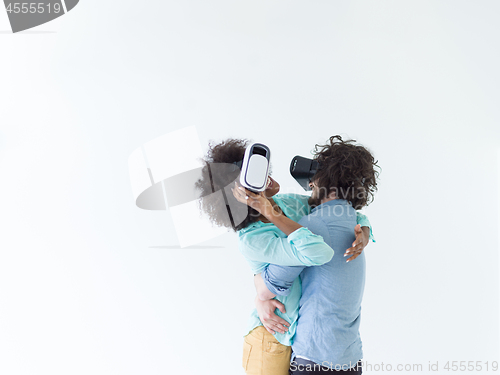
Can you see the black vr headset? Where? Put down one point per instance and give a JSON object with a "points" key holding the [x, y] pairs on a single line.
{"points": [[303, 170]]}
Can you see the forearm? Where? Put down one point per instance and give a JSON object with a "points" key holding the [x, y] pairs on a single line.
{"points": [[262, 292], [366, 235], [285, 224], [267, 244]]}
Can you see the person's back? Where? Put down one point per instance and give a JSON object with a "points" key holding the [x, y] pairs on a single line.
{"points": [[330, 306], [327, 334]]}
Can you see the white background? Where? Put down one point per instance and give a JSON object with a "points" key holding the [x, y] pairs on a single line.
{"points": [[85, 285]]}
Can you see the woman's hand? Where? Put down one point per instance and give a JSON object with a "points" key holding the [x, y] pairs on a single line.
{"points": [[258, 202], [269, 319], [362, 239]]}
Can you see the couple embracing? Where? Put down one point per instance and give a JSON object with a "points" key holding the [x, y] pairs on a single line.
{"points": [[306, 255]]}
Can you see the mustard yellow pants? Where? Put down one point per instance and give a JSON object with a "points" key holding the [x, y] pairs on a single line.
{"points": [[264, 355]]}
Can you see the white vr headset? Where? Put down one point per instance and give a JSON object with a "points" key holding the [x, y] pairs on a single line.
{"points": [[255, 167]]}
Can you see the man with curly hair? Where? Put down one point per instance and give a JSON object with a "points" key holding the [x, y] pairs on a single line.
{"points": [[327, 337], [268, 233]]}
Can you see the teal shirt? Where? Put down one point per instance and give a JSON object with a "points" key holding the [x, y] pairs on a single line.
{"points": [[263, 243]]}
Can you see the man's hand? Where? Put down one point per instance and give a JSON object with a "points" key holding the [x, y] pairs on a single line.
{"points": [[272, 322], [262, 292], [362, 239]]}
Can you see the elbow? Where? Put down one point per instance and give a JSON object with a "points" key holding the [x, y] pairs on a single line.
{"points": [[324, 258]]}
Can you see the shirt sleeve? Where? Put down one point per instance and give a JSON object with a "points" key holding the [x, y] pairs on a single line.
{"points": [[279, 279], [300, 248], [364, 222]]}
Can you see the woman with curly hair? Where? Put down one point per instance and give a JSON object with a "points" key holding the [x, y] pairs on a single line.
{"points": [[268, 233]]}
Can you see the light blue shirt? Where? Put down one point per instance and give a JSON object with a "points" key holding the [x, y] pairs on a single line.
{"points": [[263, 243], [330, 307]]}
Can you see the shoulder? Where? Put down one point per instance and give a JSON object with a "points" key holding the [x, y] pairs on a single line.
{"points": [[315, 223], [294, 206], [302, 199], [341, 210], [325, 217], [313, 220]]}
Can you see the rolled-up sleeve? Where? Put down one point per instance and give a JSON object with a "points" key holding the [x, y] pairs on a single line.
{"points": [[279, 279], [300, 248], [364, 222]]}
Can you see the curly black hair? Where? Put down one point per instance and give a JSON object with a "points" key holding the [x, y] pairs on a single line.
{"points": [[348, 169], [217, 178]]}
